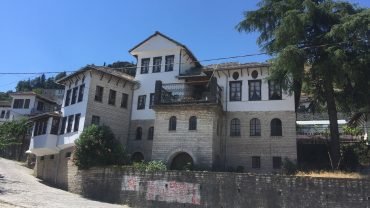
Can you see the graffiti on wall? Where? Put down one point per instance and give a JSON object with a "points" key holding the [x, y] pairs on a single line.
{"points": [[130, 183], [173, 191]]}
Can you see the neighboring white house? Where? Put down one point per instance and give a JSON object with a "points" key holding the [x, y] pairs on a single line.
{"points": [[5, 108]]}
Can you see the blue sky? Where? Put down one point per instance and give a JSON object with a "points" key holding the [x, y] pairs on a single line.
{"points": [[51, 35]]}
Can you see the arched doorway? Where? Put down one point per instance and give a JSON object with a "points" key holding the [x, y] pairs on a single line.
{"points": [[137, 157], [182, 161]]}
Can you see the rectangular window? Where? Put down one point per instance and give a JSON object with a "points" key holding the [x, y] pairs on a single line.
{"points": [[69, 125], [254, 89], [42, 157], [95, 120], [169, 63], [77, 122], [274, 90], [99, 93], [112, 97], [7, 115], [235, 90], [18, 103], [151, 100], [2, 114], [145, 65], [40, 127], [81, 93], [157, 61], [124, 100], [51, 157], [26, 103], [141, 102], [68, 98], [54, 126], [276, 162], [40, 106], [63, 127], [74, 95], [256, 162]]}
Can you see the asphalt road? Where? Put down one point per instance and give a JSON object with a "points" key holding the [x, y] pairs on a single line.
{"points": [[20, 189]]}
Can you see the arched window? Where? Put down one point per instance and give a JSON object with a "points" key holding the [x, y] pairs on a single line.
{"points": [[276, 128], [150, 133], [139, 133], [193, 123], [255, 127], [172, 124], [235, 127]]}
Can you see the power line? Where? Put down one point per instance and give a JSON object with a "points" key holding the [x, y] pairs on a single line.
{"points": [[205, 60]]}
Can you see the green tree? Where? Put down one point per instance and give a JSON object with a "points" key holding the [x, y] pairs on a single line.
{"points": [[322, 42], [97, 146], [14, 132]]}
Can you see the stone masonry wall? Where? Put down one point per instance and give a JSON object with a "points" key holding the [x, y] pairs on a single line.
{"points": [[240, 149], [197, 143], [144, 146], [212, 189]]}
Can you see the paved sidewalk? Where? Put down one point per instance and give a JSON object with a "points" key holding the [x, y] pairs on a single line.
{"points": [[19, 189]]}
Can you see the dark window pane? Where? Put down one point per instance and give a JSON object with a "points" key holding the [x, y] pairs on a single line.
{"points": [[40, 106], [255, 127], [69, 125], [256, 162], [172, 123], [157, 61], [63, 127], [151, 100], [81, 93], [99, 93], [276, 127], [68, 98], [254, 89], [141, 102], [169, 63], [150, 133], [124, 100], [145, 65], [139, 133], [235, 127], [77, 122], [193, 123], [26, 103], [18, 103], [95, 120], [276, 162], [74, 95], [54, 126], [235, 91], [274, 90], [112, 97]]}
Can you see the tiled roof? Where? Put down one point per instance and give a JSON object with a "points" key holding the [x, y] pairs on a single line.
{"points": [[33, 94], [234, 65]]}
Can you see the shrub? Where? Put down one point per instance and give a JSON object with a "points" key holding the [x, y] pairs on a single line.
{"points": [[97, 146], [150, 166]]}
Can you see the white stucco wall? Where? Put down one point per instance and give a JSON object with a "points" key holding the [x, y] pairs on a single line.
{"points": [[285, 104]]}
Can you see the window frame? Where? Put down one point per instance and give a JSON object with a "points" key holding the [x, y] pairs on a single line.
{"points": [[112, 97], [172, 123], [69, 123], [99, 92], [277, 162], [275, 128], [144, 69], [157, 67], [81, 93], [235, 89], [255, 127], [27, 103], [141, 100], [151, 133], [193, 123], [274, 86], [124, 100], [235, 127], [95, 120], [256, 162], [63, 127], [55, 126], [250, 92], [76, 124], [151, 100], [139, 133], [169, 66], [18, 103], [68, 97]]}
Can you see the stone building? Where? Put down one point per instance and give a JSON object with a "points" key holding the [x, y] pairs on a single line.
{"points": [[220, 117]]}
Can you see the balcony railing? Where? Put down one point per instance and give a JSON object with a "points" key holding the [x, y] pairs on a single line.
{"points": [[187, 93]]}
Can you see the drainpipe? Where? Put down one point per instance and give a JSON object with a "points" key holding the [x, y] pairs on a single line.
{"points": [[226, 117]]}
